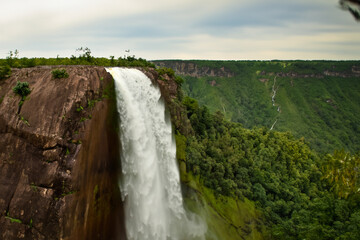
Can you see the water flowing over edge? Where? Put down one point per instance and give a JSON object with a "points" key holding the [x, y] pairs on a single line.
{"points": [[150, 182]]}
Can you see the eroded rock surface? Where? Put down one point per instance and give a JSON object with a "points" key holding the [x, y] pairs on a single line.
{"points": [[188, 68], [57, 169]]}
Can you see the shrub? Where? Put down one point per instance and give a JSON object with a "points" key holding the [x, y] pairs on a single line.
{"points": [[86, 54], [169, 71], [5, 72], [22, 89], [60, 73], [179, 80], [28, 62]]}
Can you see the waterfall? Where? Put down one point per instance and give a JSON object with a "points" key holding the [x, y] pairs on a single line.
{"points": [[274, 92], [273, 101], [150, 181]]}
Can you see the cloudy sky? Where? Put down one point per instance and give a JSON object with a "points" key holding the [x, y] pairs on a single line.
{"points": [[180, 29]]}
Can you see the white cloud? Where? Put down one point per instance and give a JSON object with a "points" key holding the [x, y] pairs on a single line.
{"points": [[206, 29]]}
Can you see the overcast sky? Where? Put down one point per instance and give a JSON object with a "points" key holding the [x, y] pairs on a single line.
{"points": [[180, 29]]}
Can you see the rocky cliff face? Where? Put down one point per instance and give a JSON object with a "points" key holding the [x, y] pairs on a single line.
{"points": [[59, 153], [172, 96], [58, 156], [187, 68]]}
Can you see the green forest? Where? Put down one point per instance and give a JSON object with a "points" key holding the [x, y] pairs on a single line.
{"points": [[83, 57], [302, 195], [305, 188], [302, 178], [317, 100]]}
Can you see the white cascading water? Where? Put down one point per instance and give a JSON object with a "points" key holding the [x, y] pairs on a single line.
{"points": [[150, 182]]}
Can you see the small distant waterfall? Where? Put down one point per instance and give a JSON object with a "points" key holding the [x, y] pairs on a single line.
{"points": [[274, 90], [150, 182]]}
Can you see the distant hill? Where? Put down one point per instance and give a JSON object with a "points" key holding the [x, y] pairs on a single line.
{"points": [[317, 100]]}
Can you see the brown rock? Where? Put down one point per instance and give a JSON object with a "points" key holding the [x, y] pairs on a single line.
{"points": [[52, 156], [170, 95]]}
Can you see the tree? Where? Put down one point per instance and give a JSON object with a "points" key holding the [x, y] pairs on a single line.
{"points": [[5, 72], [22, 89], [342, 171], [60, 73], [86, 53]]}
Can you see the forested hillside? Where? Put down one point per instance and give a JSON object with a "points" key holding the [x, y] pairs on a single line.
{"points": [[300, 195], [317, 100]]}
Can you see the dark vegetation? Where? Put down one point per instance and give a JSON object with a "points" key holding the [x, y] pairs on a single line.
{"points": [[22, 89], [5, 72], [59, 73]]}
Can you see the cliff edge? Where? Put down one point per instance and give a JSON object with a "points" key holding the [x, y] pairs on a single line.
{"points": [[58, 163]]}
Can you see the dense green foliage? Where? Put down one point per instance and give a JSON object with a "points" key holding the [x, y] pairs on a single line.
{"points": [[317, 100], [59, 73], [170, 73], [237, 98], [84, 58], [22, 89], [5, 72], [286, 179], [342, 172]]}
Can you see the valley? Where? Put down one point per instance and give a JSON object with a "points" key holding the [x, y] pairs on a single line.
{"points": [[317, 100]]}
